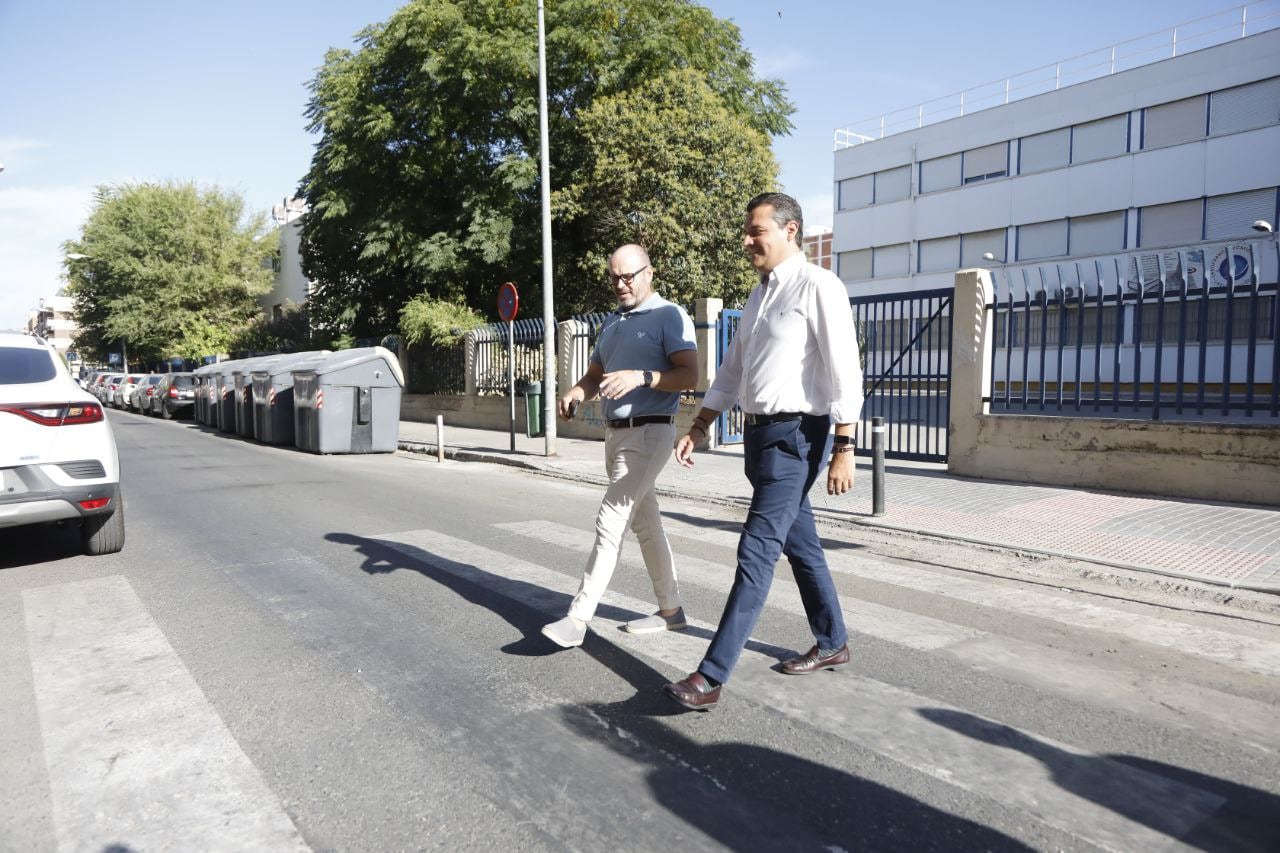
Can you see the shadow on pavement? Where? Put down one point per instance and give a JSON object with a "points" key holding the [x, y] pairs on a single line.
{"points": [[1246, 821], [382, 557], [752, 797], [31, 544]]}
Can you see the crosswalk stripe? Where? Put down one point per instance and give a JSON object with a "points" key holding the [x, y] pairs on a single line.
{"points": [[137, 756], [1171, 702], [1237, 650], [1093, 797]]}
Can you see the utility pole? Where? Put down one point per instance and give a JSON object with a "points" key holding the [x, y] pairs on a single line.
{"points": [[549, 393]]}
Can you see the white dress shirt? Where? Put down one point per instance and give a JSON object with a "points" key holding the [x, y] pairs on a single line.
{"points": [[795, 349]]}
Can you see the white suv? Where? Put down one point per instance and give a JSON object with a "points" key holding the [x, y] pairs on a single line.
{"points": [[58, 457]]}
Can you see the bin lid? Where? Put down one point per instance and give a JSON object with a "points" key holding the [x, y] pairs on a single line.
{"points": [[345, 359], [288, 363]]}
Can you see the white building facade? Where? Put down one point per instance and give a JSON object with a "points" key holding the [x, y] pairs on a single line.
{"points": [[1180, 152]]}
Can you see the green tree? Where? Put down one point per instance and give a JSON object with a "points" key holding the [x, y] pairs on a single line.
{"points": [[168, 270], [425, 176], [670, 168]]}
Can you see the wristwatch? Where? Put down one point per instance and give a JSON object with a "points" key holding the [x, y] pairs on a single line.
{"points": [[648, 378]]}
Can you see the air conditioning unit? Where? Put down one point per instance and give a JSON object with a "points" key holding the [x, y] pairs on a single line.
{"points": [[1231, 263]]}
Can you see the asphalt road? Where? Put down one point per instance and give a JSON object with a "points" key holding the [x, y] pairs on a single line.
{"points": [[343, 653]]}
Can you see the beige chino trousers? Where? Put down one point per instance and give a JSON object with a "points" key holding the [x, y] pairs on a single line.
{"points": [[633, 459]]}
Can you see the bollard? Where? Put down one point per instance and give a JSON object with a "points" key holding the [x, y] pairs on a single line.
{"points": [[439, 438], [877, 466]]}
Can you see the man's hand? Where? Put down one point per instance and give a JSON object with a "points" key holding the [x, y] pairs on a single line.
{"points": [[620, 382], [684, 449], [840, 474], [564, 407]]}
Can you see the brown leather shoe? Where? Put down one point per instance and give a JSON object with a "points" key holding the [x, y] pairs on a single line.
{"points": [[814, 660], [693, 692]]}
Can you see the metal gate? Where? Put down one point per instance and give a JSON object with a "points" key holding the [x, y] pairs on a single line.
{"points": [[730, 421], [905, 342]]}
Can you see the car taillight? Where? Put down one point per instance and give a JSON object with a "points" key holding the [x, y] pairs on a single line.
{"points": [[95, 503], [173, 393], [151, 392], [57, 414]]}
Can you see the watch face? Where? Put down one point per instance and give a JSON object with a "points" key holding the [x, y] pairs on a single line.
{"points": [[648, 378]]}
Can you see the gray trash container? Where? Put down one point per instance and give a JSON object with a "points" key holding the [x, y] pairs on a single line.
{"points": [[208, 408], [224, 376], [273, 396], [242, 382], [349, 402], [197, 383]]}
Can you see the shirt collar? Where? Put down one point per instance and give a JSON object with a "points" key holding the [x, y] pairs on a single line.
{"points": [[653, 301], [786, 270]]}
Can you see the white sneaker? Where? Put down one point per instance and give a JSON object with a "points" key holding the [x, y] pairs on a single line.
{"points": [[657, 622], [567, 633]]}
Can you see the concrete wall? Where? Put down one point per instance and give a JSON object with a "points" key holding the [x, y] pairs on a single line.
{"points": [[1207, 461]]}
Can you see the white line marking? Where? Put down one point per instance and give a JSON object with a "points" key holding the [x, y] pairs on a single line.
{"points": [[1092, 797], [137, 756], [1237, 650], [1051, 670]]}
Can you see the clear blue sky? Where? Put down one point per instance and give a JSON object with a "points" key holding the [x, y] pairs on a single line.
{"points": [[104, 92]]}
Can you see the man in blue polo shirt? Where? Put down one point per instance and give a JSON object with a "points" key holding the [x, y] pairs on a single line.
{"points": [[644, 357]]}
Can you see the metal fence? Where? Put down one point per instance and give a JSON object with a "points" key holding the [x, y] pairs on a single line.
{"points": [[436, 369], [490, 355], [1155, 336], [905, 340]]}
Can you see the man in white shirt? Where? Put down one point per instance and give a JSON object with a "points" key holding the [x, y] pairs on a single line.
{"points": [[793, 368], [645, 355]]}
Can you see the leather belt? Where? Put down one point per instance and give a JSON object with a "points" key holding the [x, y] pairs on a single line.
{"points": [[627, 423], [776, 417]]}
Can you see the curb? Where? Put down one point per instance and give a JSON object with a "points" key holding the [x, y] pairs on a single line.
{"points": [[463, 455]]}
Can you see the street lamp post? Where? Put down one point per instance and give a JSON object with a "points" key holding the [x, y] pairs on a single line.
{"points": [[548, 310]]}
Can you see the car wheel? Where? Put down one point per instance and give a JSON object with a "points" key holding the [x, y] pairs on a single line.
{"points": [[104, 534]]}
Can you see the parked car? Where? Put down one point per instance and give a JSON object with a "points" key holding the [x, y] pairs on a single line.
{"points": [[140, 398], [120, 398], [58, 458], [175, 396], [99, 386], [110, 384]]}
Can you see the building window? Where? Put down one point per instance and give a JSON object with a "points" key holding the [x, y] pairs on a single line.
{"points": [[1230, 216], [1170, 224], [890, 260], [1174, 123], [1245, 107], [893, 184], [940, 173], [989, 161], [940, 255], [854, 266], [1044, 151], [973, 246], [1096, 235], [1096, 140], [1042, 240], [855, 192]]}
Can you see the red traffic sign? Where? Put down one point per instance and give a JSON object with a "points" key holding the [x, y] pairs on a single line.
{"points": [[508, 302]]}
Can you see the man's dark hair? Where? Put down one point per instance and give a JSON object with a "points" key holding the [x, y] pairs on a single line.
{"points": [[785, 209]]}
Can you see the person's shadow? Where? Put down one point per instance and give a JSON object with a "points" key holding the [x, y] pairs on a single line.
{"points": [[1231, 816]]}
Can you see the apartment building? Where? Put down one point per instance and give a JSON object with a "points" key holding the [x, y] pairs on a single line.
{"points": [[1177, 152], [54, 320]]}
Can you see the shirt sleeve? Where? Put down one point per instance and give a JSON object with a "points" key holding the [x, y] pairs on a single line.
{"points": [[677, 331], [837, 338]]}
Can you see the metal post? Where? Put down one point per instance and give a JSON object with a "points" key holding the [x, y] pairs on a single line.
{"points": [[511, 380], [877, 466], [439, 438], [548, 301]]}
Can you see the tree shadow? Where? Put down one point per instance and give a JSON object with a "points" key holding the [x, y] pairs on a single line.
{"points": [[752, 797], [510, 599], [1245, 818]]}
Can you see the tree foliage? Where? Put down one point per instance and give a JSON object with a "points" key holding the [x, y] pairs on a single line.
{"points": [[170, 270], [672, 169], [425, 176], [436, 321]]}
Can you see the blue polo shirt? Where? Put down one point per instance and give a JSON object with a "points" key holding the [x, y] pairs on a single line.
{"points": [[643, 339]]}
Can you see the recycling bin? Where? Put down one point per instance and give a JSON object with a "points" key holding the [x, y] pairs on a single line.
{"points": [[348, 402], [197, 381], [242, 382], [273, 396], [533, 409], [225, 396]]}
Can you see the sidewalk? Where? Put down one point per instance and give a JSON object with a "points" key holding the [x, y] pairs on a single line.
{"points": [[1228, 545]]}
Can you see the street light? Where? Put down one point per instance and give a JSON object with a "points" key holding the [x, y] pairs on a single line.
{"points": [[990, 256], [1264, 226]]}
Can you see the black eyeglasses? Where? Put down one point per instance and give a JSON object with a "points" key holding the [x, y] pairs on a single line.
{"points": [[627, 277]]}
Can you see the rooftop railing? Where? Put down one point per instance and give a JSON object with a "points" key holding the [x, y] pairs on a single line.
{"points": [[1218, 28]]}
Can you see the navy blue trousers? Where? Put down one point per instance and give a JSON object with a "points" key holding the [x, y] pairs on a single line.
{"points": [[782, 462]]}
